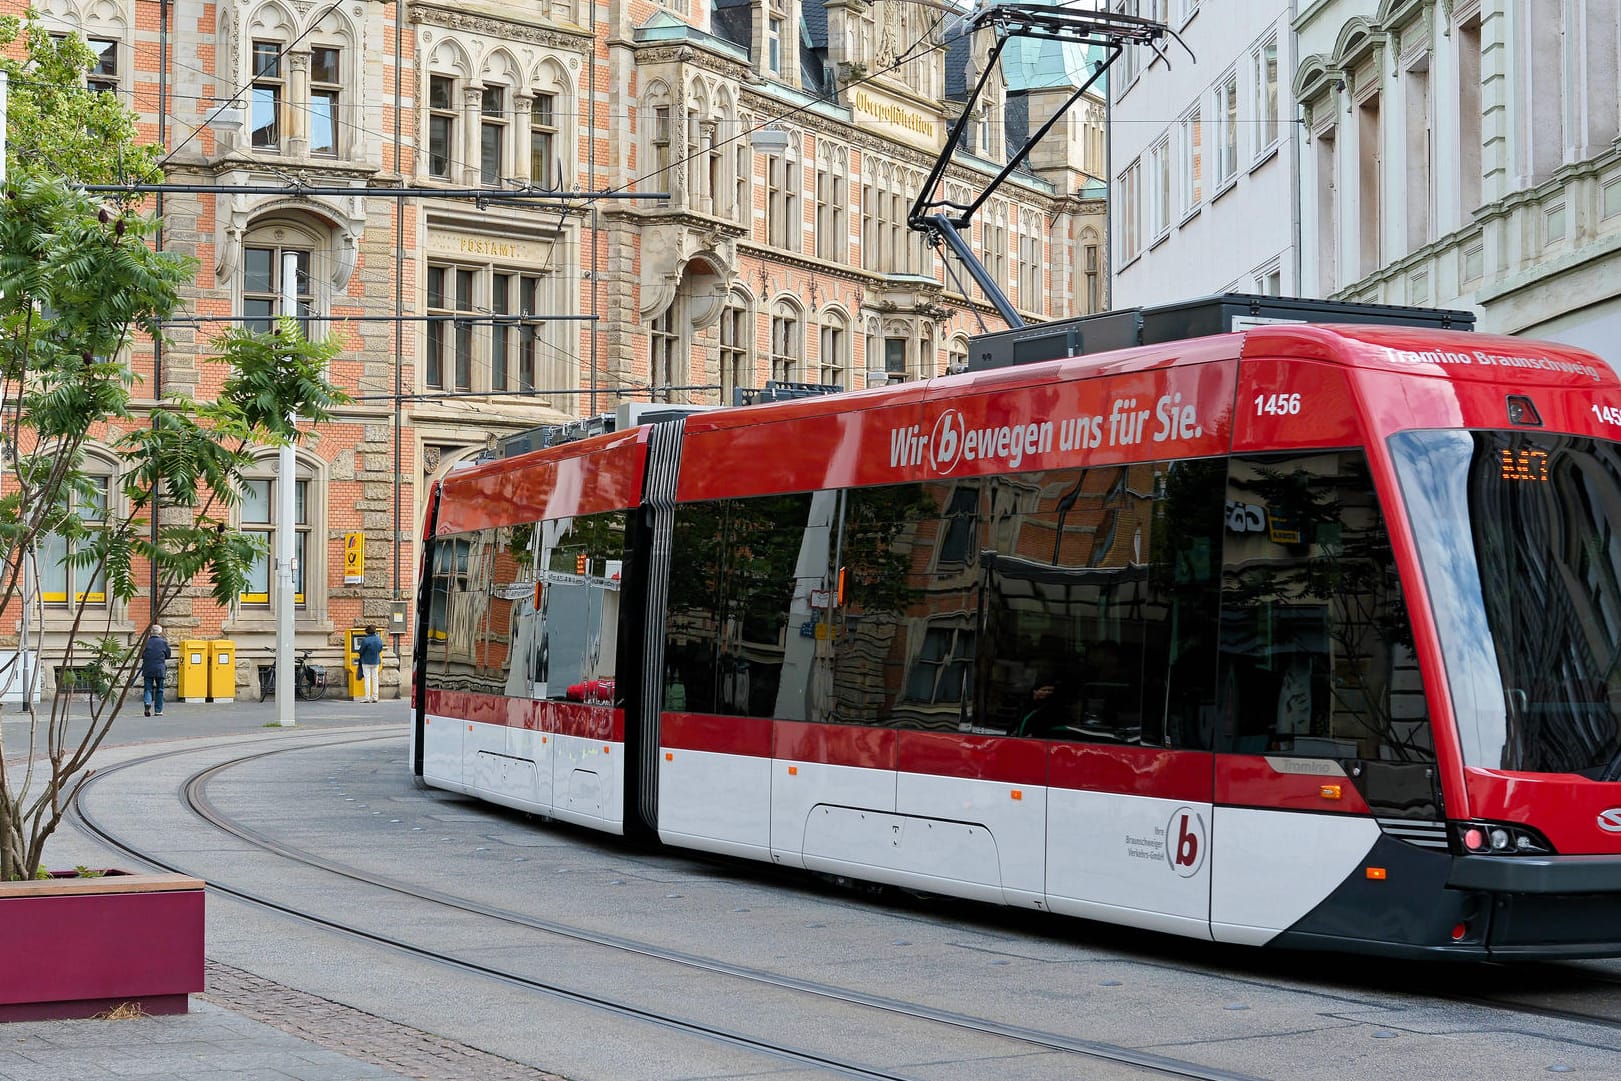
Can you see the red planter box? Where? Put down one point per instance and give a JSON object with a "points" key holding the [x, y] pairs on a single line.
{"points": [[82, 946]]}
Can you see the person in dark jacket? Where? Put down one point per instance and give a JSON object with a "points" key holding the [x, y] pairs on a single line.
{"points": [[371, 659], [154, 667]]}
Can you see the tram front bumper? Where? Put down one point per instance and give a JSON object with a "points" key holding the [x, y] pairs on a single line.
{"points": [[1546, 906]]}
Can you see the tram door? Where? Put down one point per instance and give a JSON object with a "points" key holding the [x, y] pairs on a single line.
{"points": [[1099, 636], [1320, 691]]}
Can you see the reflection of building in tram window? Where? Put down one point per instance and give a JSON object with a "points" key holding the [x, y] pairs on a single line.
{"points": [[1315, 644]]}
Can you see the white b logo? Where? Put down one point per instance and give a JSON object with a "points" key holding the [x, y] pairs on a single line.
{"points": [[946, 442]]}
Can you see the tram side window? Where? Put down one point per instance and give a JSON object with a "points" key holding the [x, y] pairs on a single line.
{"points": [[692, 625], [1100, 604], [902, 621], [568, 610], [1316, 645], [448, 572], [740, 575], [505, 552], [456, 609]]}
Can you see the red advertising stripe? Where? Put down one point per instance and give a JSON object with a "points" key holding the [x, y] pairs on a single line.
{"points": [[709, 732], [1132, 771], [1254, 781], [983, 758], [835, 744], [1153, 404]]}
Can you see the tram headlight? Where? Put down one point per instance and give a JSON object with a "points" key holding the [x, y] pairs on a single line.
{"points": [[1500, 839]]}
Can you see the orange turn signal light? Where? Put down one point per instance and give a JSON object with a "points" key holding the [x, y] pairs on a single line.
{"points": [[793, 771], [1018, 793], [669, 756], [1329, 791], [1375, 873]]}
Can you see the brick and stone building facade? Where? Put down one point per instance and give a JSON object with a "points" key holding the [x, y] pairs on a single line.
{"points": [[749, 265]]}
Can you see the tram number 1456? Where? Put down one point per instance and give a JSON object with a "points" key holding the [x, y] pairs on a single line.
{"points": [[1277, 405]]}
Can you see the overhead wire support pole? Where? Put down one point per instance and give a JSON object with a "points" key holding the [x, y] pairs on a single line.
{"points": [[286, 508]]}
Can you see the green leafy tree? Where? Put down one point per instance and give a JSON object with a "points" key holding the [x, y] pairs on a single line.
{"points": [[80, 285]]}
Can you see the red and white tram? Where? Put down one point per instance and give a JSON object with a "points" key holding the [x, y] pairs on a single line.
{"points": [[1300, 636]]}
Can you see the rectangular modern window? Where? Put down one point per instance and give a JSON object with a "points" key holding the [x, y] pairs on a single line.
{"points": [[543, 171], [1266, 96], [1226, 131], [1159, 192], [326, 89], [441, 125], [492, 134], [267, 95], [1190, 136], [1131, 213]]}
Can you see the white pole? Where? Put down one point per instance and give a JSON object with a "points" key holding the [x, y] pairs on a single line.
{"points": [[286, 479], [2, 127]]}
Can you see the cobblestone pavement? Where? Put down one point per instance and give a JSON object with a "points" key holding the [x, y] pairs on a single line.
{"points": [[408, 1052]]}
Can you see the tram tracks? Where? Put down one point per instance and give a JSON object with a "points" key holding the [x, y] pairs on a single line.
{"points": [[195, 796]]}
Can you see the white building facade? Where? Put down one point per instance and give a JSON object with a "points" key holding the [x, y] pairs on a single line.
{"points": [[1203, 155], [1463, 153]]}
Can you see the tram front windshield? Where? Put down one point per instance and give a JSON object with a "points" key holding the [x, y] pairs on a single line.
{"points": [[1519, 535]]}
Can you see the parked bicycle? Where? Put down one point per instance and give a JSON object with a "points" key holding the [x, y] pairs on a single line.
{"points": [[310, 681]]}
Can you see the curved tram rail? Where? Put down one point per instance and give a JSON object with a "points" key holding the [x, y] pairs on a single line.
{"points": [[195, 796]]}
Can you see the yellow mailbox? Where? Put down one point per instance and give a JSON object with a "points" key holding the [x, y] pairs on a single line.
{"points": [[222, 671], [192, 683], [351, 655]]}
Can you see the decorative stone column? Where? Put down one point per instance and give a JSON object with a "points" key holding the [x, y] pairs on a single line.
{"points": [[472, 164], [522, 134], [296, 105]]}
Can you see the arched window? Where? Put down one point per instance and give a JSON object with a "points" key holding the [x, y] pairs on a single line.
{"points": [[304, 83], [62, 585], [449, 71], [552, 115], [833, 350], [105, 30], [658, 137], [498, 142], [265, 246], [787, 342], [783, 183], [257, 515], [736, 347]]}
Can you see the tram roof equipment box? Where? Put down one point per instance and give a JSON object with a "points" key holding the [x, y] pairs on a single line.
{"points": [[1188, 319]]}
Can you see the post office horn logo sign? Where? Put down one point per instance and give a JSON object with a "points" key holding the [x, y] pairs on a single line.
{"points": [[1610, 821]]}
